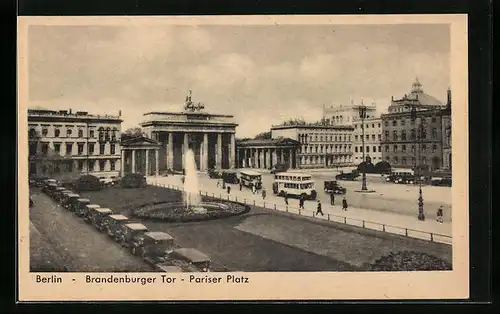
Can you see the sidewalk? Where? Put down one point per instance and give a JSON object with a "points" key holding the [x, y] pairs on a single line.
{"points": [[371, 219]]}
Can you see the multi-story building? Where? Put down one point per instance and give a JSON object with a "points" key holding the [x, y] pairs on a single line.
{"points": [[322, 145], [401, 145], [346, 115], [62, 141], [373, 137], [446, 131]]}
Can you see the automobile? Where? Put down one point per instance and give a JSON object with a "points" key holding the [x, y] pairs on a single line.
{"points": [[87, 212], [97, 215], [37, 181], [57, 193], [281, 167], [45, 182], [230, 176], [78, 206], [214, 174], [348, 176], [133, 180], [441, 182], [333, 186], [32, 183], [64, 195], [192, 257], [152, 244], [129, 232], [51, 188], [112, 224], [68, 199], [108, 181]]}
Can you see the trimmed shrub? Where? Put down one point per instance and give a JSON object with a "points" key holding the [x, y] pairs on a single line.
{"points": [[133, 180], [366, 167], [409, 261], [86, 182], [383, 167]]}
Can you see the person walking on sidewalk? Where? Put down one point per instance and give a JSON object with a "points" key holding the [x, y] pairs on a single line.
{"points": [[332, 198], [301, 202], [228, 189], [344, 204], [223, 184], [319, 211], [440, 214], [286, 199], [241, 185], [218, 183], [263, 194], [253, 189]]}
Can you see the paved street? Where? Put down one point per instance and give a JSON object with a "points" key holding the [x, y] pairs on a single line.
{"points": [[360, 206], [60, 241]]}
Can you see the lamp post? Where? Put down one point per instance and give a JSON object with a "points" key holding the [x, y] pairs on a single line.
{"points": [[362, 115], [419, 140]]}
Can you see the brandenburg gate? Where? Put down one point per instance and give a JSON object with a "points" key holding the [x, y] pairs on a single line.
{"points": [[210, 136]]}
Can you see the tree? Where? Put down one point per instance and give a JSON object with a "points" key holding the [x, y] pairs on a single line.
{"points": [[263, 136], [131, 133]]}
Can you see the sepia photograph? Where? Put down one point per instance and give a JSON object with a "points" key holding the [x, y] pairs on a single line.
{"points": [[220, 150]]}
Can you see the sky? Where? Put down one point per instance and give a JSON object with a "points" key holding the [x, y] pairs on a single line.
{"points": [[260, 74]]}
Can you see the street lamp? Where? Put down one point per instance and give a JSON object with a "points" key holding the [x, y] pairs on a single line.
{"points": [[419, 140], [362, 115]]}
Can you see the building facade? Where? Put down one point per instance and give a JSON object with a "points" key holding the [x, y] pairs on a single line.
{"points": [[265, 153], [401, 144], [446, 131], [346, 115], [140, 155], [321, 145], [210, 136], [66, 142], [372, 141]]}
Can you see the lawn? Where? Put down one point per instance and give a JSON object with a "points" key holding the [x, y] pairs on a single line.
{"points": [[264, 240]]}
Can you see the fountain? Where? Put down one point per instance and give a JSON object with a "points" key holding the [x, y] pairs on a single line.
{"points": [[191, 207]]}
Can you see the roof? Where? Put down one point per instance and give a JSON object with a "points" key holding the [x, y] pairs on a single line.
{"points": [[193, 255], [60, 188], [118, 217], [76, 195], [139, 141], [158, 235], [251, 172], [83, 200], [93, 206], [137, 226], [103, 210], [293, 174], [280, 141]]}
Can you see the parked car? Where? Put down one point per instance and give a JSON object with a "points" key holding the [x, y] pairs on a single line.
{"points": [[68, 199], [97, 215], [130, 231], [51, 188], [88, 210], [133, 180], [112, 224], [281, 167], [58, 192], [230, 176], [441, 182], [152, 244], [193, 257], [333, 186], [214, 174], [349, 176], [78, 206]]}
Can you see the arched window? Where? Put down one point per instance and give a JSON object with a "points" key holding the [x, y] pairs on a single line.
{"points": [[80, 133], [45, 131], [403, 135], [68, 133], [395, 135], [32, 133], [57, 132]]}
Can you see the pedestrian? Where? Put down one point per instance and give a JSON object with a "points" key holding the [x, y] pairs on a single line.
{"points": [[319, 211], [286, 199], [263, 194], [344, 204], [253, 189], [440, 214], [301, 202], [241, 185], [223, 184], [218, 183], [228, 189], [332, 198]]}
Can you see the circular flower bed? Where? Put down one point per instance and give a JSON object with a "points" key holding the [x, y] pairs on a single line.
{"points": [[409, 261], [176, 211]]}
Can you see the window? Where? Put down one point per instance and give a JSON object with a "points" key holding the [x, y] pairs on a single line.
{"points": [[32, 133], [57, 148], [355, 137], [413, 134], [423, 133], [112, 164], [45, 148], [387, 148], [373, 125], [380, 149], [413, 148], [45, 131], [68, 133], [396, 161], [91, 133], [91, 148], [413, 160], [102, 163], [349, 139], [434, 148], [80, 148], [424, 148], [373, 137], [433, 119], [80, 133], [395, 148], [367, 126], [69, 148], [403, 161], [361, 149], [113, 150], [424, 160], [403, 148], [394, 123], [434, 132], [379, 125], [101, 149], [91, 165], [395, 135], [80, 165], [57, 132], [321, 138], [412, 122], [403, 135], [367, 149], [367, 137], [403, 122], [386, 123], [380, 137], [374, 149]]}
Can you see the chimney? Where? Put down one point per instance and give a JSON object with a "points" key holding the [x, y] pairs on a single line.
{"points": [[120, 113], [448, 102], [69, 110]]}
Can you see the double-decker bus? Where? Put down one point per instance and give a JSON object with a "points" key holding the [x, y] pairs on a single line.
{"points": [[294, 185], [251, 178]]}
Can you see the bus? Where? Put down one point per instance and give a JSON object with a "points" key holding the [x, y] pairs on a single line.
{"points": [[294, 185], [251, 178]]}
